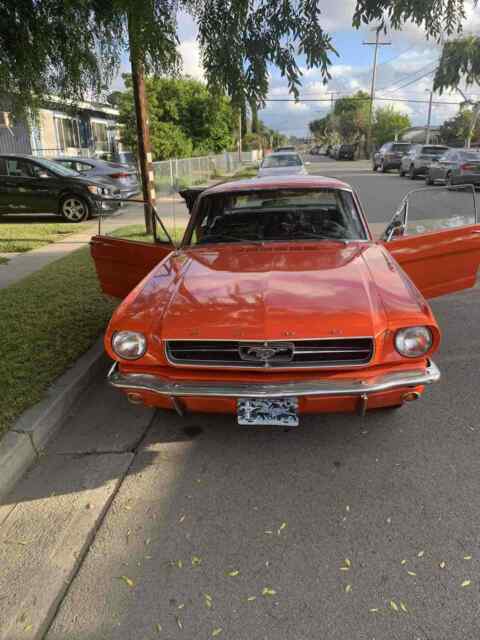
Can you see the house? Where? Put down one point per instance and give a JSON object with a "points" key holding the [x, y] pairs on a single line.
{"points": [[418, 135], [83, 128]]}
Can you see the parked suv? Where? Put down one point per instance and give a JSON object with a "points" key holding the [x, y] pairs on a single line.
{"points": [[389, 156], [417, 161], [36, 185], [345, 152]]}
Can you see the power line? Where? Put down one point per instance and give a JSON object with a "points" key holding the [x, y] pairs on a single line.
{"points": [[406, 77], [363, 100], [415, 80]]}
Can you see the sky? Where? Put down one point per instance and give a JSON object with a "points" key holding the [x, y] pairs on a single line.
{"points": [[404, 72]]}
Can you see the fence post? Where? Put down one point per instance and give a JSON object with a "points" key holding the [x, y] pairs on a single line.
{"points": [[171, 174]]}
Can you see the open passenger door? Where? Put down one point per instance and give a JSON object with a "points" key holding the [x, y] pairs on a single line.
{"points": [[440, 254], [121, 264]]}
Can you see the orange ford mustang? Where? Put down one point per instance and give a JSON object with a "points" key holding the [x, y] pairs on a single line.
{"points": [[279, 302]]}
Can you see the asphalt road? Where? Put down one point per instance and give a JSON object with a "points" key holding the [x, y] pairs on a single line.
{"points": [[343, 529]]}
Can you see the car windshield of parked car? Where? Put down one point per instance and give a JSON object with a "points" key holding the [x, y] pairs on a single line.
{"points": [[58, 168], [282, 160], [277, 216], [401, 147], [470, 155], [433, 151]]}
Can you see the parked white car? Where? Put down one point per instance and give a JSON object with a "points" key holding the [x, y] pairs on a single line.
{"points": [[282, 163]]}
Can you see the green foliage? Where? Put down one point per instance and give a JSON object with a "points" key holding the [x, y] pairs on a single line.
{"points": [[388, 123], [72, 49], [435, 17], [320, 127], [456, 130], [185, 118], [460, 61], [351, 116]]}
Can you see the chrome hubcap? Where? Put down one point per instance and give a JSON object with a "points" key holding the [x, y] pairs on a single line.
{"points": [[73, 209]]}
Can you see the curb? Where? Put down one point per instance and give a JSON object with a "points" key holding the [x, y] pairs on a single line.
{"points": [[20, 447]]}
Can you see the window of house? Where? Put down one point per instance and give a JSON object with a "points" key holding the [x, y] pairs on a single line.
{"points": [[100, 134], [67, 132]]}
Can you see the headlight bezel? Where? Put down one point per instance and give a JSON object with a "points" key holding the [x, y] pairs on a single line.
{"points": [[411, 333], [126, 335], [96, 190]]}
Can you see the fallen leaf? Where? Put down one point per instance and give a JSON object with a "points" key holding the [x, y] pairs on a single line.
{"points": [[281, 528], [29, 627], [127, 581], [344, 568], [208, 600], [347, 562], [251, 598], [442, 564], [411, 573], [181, 606], [196, 561], [179, 622], [216, 632], [158, 628], [373, 610], [403, 562], [393, 605], [179, 563], [147, 541], [347, 508], [182, 518], [389, 521], [267, 591], [348, 588], [403, 607], [268, 532], [420, 554], [467, 557], [466, 583], [233, 573]]}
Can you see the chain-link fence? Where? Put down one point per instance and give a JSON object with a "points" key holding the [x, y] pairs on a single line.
{"points": [[172, 175]]}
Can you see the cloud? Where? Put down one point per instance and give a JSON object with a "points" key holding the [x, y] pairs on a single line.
{"points": [[190, 52]]}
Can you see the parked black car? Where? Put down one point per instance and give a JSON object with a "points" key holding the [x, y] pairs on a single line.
{"points": [[389, 156], [121, 176], [345, 152], [36, 185]]}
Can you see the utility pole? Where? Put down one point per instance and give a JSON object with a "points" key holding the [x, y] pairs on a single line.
{"points": [[376, 44], [143, 125], [240, 136], [429, 118]]}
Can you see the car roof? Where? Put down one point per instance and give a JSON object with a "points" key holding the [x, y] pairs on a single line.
{"points": [[284, 182], [77, 158]]}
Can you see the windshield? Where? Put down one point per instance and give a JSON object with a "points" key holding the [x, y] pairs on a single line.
{"points": [[57, 168], [280, 215], [401, 147], [470, 155], [282, 160], [434, 151]]}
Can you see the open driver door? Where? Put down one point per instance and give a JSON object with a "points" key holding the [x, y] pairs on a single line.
{"points": [[437, 244], [121, 264]]}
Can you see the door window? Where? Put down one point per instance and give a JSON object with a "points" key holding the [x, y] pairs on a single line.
{"points": [[3, 167], [440, 209], [20, 168]]}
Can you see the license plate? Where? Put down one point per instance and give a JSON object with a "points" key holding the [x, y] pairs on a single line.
{"points": [[281, 412]]}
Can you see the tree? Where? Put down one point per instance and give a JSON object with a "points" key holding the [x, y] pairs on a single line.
{"points": [[351, 116], [199, 121], [460, 61], [388, 124], [455, 131], [320, 127]]}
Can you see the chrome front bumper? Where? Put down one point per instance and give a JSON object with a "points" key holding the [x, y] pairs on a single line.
{"points": [[345, 387]]}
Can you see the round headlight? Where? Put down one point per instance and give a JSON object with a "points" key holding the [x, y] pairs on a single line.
{"points": [[129, 344], [413, 341]]}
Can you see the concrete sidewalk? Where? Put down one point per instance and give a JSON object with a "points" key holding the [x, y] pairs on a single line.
{"points": [[172, 211]]}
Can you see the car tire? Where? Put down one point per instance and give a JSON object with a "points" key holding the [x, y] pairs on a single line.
{"points": [[374, 167], [383, 169], [74, 208], [401, 172], [428, 180], [411, 173], [448, 181]]}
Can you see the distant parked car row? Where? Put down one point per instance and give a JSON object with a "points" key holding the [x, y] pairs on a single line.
{"points": [[75, 188], [435, 162]]}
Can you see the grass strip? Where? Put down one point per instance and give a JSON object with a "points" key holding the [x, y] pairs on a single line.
{"points": [[21, 237], [48, 320]]}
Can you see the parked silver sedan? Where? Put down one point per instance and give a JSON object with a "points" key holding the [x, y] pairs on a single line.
{"points": [[282, 163], [457, 166], [417, 161], [122, 176]]}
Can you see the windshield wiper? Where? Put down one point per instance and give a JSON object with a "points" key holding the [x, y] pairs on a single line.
{"points": [[317, 236], [224, 236]]}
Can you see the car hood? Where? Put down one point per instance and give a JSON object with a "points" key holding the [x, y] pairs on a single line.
{"points": [[268, 293], [282, 171]]}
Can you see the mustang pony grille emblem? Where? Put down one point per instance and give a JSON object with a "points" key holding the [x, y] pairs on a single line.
{"points": [[267, 352]]}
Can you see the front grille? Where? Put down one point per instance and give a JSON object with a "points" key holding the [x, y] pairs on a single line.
{"points": [[275, 354]]}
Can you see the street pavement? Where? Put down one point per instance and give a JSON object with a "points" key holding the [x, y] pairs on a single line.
{"points": [[345, 528]]}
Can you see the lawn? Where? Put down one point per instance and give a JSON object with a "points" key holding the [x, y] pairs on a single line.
{"points": [[20, 237], [48, 320]]}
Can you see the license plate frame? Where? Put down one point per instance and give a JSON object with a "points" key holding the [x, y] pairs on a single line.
{"points": [[268, 412]]}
